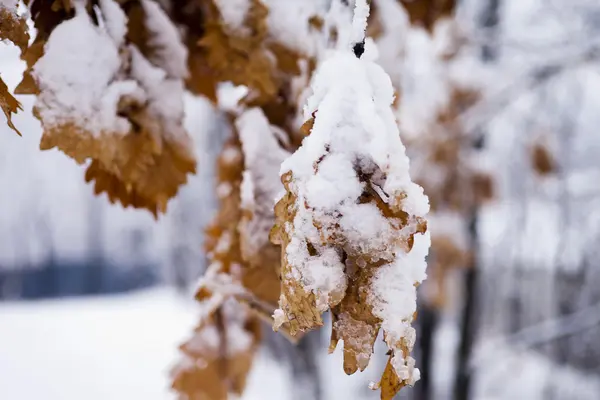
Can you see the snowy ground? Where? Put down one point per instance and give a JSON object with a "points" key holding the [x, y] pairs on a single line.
{"points": [[105, 348], [121, 347]]}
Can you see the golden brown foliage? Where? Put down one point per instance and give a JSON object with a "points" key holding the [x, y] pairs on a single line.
{"points": [[192, 16], [354, 320], [9, 105], [142, 168], [211, 374], [257, 273], [14, 29], [426, 13], [210, 371], [253, 58], [46, 15]]}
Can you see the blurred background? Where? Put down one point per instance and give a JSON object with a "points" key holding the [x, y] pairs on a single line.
{"points": [[94, 299]]}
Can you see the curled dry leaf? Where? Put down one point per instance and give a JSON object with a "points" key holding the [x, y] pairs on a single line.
{"points": [[242, 276], [249, 53], [259, 279], [9, 105], [111, 104], [351, 223], [260, 186], [218, 356], [237, 240], [14, 29], [238, 54]]}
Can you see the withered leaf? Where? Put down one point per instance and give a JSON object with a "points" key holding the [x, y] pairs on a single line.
{"points": [[9, 105], [209, 370], [13, 28], [140, 153], [256, 272]]}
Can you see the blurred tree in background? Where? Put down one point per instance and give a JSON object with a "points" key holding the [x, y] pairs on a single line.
{"points": [[495, 101]]}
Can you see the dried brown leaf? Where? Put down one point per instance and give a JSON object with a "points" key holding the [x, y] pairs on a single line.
{"points": [[13, 28], [9, 105], [211, 372], [140, 169]]}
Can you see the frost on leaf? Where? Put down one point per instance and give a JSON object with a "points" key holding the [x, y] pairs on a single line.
{"points": [[258, 279], [242, 276], [101, 98], [237, 240], [13, 28], [260, 186], [218, 356], [240, 47], [351, 223], [236, 53], [46, 16]]}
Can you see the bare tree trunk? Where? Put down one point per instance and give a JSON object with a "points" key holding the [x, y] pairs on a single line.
{"points": [[426, 325], [95, 272], [489, 22], [462, 384]]}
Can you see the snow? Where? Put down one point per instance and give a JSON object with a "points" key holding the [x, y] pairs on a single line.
{"points": [[424, 84], [119, 347], [77, 74], [230, 155], [359, 340], [260, 185], [51, 211], [122, 347], [288, 23], [359, 22], [169, 53], [395, 22], [224, 189], [233, 12], [394, 300], [114, 20], [354, 130], [352, 118], [229, 96], [98, 348], [206, 340], [165, 95], [532, 377], [10, 4], [79, 81], [262, 152]]}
